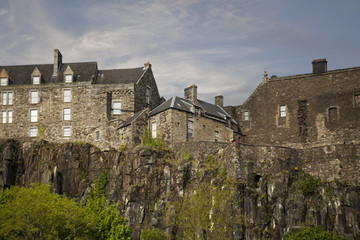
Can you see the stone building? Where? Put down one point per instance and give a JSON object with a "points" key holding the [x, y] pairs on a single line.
{"points": [[186, 119], [319, 108], [75, 102]]}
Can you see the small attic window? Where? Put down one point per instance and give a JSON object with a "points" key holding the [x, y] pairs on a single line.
{"points": [[3, 81], [36, 80], [68, 78]]}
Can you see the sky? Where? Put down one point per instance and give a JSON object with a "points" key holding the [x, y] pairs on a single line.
{"points": [[221, 46]]}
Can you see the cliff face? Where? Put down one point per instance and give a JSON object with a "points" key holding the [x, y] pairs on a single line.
{"points": [[273, 186]]}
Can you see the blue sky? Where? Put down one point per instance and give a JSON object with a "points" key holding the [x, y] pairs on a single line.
{"points": [[222, 46]]}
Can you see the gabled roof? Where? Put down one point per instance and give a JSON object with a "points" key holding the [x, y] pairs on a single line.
{"points": [[21, 74], [131, 119], [186, 105], [114, 76]]}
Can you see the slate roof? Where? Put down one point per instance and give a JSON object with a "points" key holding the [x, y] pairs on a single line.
{"points": [[131, 119], [131, 75], [83, 71], [185, 105], [21, 74]]}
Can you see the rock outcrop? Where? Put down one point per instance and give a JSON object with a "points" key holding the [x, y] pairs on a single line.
{"points": [[271, 182]]}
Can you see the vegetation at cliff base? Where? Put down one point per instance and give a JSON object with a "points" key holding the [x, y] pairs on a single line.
{"points": [[308, 184], [312, 233], [38, 213]]}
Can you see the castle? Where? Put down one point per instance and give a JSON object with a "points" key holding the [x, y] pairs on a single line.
{"points": [[78, 102]]}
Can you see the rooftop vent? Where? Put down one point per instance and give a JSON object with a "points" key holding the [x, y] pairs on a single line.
{"points": [[319, 66]]}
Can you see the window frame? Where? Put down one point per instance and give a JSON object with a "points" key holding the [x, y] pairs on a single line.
{"points": [[97, 135], [37, 82], [33, 130], [246, 116], [8, 100], [65, 129], [153, 130], [282, 110], [147, 95], [190, 129], [34, 99], [116, 111], [70, 79], [4, 81], [66, 97], [216, 136], [66, 113], [32, 117]]}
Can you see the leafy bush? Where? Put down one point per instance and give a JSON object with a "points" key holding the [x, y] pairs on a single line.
{"points": [[153, 234], [312, 233], [149, 141], [308, 184]]}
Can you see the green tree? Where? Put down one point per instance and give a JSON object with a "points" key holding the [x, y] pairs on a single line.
{"points": [[108, 223], [38, 213], [153, 234], [204, 213], [312, 233]]}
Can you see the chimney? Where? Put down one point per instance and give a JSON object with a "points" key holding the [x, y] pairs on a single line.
{"points": [[190, 93], [147, 65], [219, 100], [319, 66], [57, 61]]}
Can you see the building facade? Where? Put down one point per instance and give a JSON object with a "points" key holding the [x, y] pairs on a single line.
{"points": [[319, 108], [72, 101]]}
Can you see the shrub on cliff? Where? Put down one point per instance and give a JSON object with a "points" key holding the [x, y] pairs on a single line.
{"points": [[312, 233]]}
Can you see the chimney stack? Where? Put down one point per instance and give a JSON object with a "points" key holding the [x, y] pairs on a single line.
{"points": [[219, 100], [147, 65], [319, 66], [57, 61], [190, 93]]}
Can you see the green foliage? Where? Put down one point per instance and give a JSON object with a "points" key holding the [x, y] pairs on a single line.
{"points": [[308, 184], [185, 155], [41, 131], [153, 234], [149, 141], [312, 233], [209, 159], [108, 223], [204, 212], [38, 213]]}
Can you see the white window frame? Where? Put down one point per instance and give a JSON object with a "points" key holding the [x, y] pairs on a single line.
{"points": [[69, 78], [36, 80], [190, 128], [153, 130], [216, 136], [116, 111], [10, 116], [34, 99], [4, 81], [33, 132], [34, 115], [67, 114], [4, 116], [7, 98], [282, 109], [67, 95], [66, 132], [246, 115]]}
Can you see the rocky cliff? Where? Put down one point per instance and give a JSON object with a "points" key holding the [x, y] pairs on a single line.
{"points": [[277, 189]]}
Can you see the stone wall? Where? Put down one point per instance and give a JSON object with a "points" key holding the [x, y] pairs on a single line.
{"points": [[320, 109]]}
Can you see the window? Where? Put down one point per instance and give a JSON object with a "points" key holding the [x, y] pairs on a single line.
{"points": [[282, 111], [333, 114], [36, 80], [116, 107], [34, 96], [10, 116], [7, 98], [246, 115], [3, 116], [68, 78], [67, 95], [153, 130], [147, 97], [97, 135], [33, 115], [66, 131], [3, 81], [190, 129], [33, 132], [216, 136], [67, 114]]}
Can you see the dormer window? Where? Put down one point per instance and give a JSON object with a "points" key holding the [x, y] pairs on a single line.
{"points": [[68, 75], [68, 78], [36, 80], [3, 81]]}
